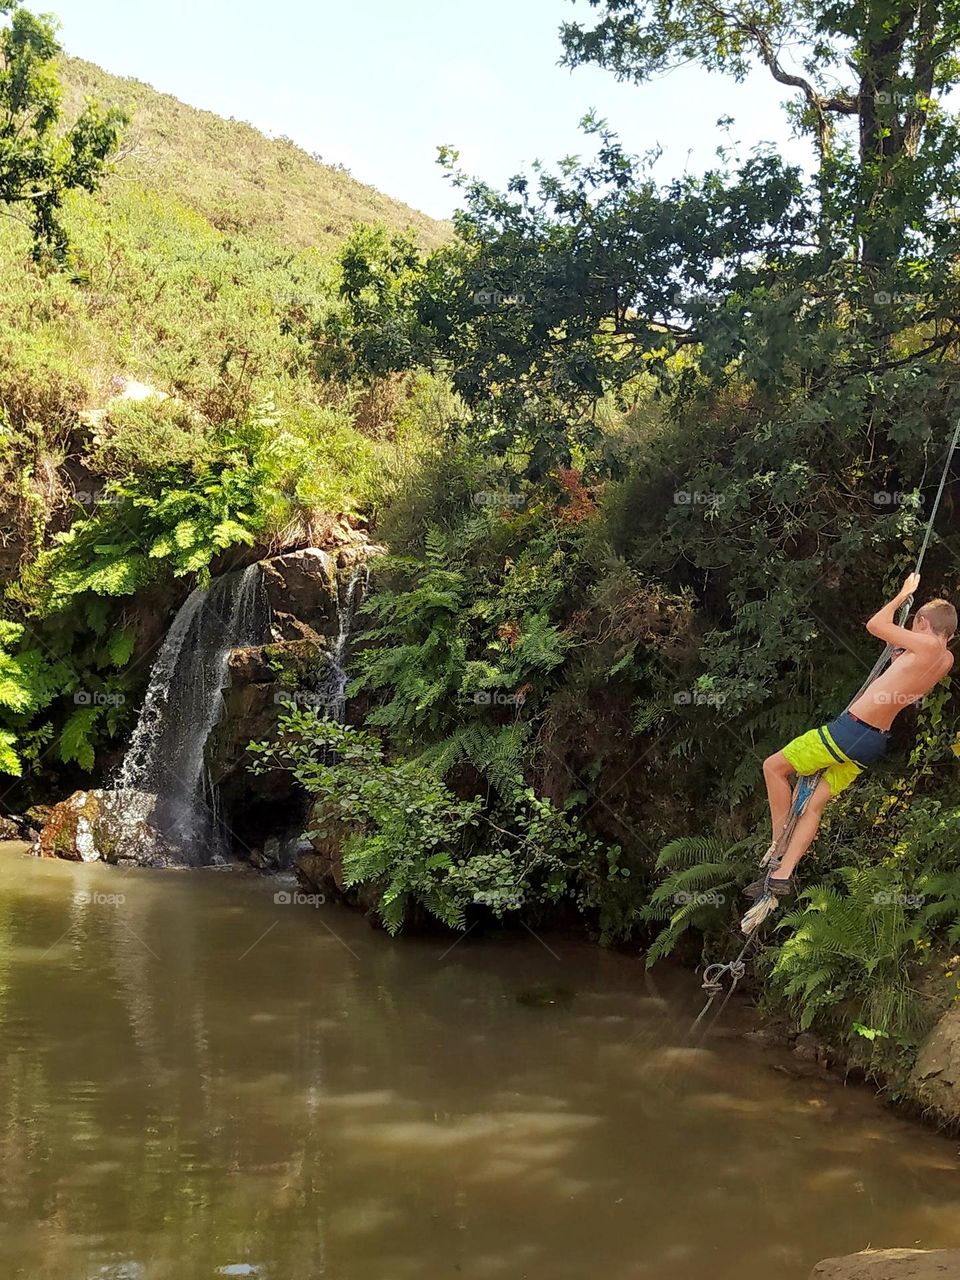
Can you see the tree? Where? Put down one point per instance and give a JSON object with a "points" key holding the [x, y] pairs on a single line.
{"points": [[883, 66], [39, 160]]}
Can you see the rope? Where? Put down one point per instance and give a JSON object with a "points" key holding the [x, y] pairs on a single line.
{"points": [[714, 974], [936, 501]]}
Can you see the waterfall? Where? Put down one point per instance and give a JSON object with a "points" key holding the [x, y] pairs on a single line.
{"points": [[165, 760], [331, 694]]}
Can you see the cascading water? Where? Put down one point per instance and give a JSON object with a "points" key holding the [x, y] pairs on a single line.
{"points": [[331, 694], [164, 764]]}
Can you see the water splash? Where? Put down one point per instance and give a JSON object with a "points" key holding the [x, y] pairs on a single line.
{"points": [[164, 763]]}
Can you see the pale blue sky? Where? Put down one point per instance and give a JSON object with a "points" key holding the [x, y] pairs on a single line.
{"points": [[379, 84]]}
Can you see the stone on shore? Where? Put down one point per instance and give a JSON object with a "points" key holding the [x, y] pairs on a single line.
{"points": [[891, 1264], [103, 826]]}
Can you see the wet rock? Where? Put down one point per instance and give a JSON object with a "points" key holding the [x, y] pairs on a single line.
{"points": [[263, 682], [891, 1264], [935, 1079], [267, 858], [303, 584], [319, 866], [105, 826], [357, 553], [303, 589], [38, 814], [14, 826], [809, 1049], [768, 1037]]}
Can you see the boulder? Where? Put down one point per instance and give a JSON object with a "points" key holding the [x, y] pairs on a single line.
{"points": [[319, 868], [891, 1264], [935, 1078], [303, 585], [13, 826], [263, 681], [38, 814], [104, 826]]}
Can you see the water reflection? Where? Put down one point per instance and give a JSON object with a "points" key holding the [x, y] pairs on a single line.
{"points": [[196, 1081]]}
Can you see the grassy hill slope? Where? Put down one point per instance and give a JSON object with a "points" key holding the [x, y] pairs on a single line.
{"points": [[233, 175]]}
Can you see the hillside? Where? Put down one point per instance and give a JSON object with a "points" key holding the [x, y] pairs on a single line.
{"points": [[233, 175], [201, 267]]}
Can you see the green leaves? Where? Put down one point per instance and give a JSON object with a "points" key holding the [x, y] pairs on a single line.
{"points": [[9, 759], [401, 828], [76, 737], [39, 160]]}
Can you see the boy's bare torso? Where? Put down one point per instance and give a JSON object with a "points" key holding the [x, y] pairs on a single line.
{"points": [[905, 681]]}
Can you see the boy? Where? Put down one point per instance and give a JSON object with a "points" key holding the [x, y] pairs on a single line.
{"points": [[857, 738]]}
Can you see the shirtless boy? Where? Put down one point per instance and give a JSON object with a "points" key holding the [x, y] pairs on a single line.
{"points": [[858, 737]]}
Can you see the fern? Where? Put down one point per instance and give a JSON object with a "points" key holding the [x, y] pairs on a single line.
{"points": [[10, 761], [76, 737], [701, 884], [854, 951]]}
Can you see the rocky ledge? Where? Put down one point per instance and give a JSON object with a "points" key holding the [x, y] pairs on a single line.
{"points": [[891, 1264]]}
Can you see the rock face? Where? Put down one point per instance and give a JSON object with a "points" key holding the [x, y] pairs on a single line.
{"points": [[104, 826], [306, 591], [935, 1079], [302, 590], [319, 868], [891, 1264]]}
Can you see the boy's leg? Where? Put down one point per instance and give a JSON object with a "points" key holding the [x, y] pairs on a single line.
{"points": [[803, 833], [778, 774]]}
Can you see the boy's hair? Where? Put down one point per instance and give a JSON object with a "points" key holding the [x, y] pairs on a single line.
{"points": [[941, 615]]}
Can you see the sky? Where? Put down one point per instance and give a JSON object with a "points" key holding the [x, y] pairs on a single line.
{"points": [[378, 85]]}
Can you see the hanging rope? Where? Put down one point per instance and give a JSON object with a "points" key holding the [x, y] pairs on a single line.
{"points": [[714, 974]]}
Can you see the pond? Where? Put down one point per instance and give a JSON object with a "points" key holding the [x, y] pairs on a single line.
{"points": [[198, 1080]]}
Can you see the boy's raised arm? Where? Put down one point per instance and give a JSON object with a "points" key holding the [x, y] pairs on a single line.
{"points": [[883, 626]]}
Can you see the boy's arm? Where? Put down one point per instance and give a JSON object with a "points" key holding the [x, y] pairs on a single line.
{"points": [[883, 626]]}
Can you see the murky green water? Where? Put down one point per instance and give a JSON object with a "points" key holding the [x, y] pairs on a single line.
{"points": [[197, 1081]]}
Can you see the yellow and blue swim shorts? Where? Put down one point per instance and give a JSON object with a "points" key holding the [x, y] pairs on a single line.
{"points": [[842, 749]]}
